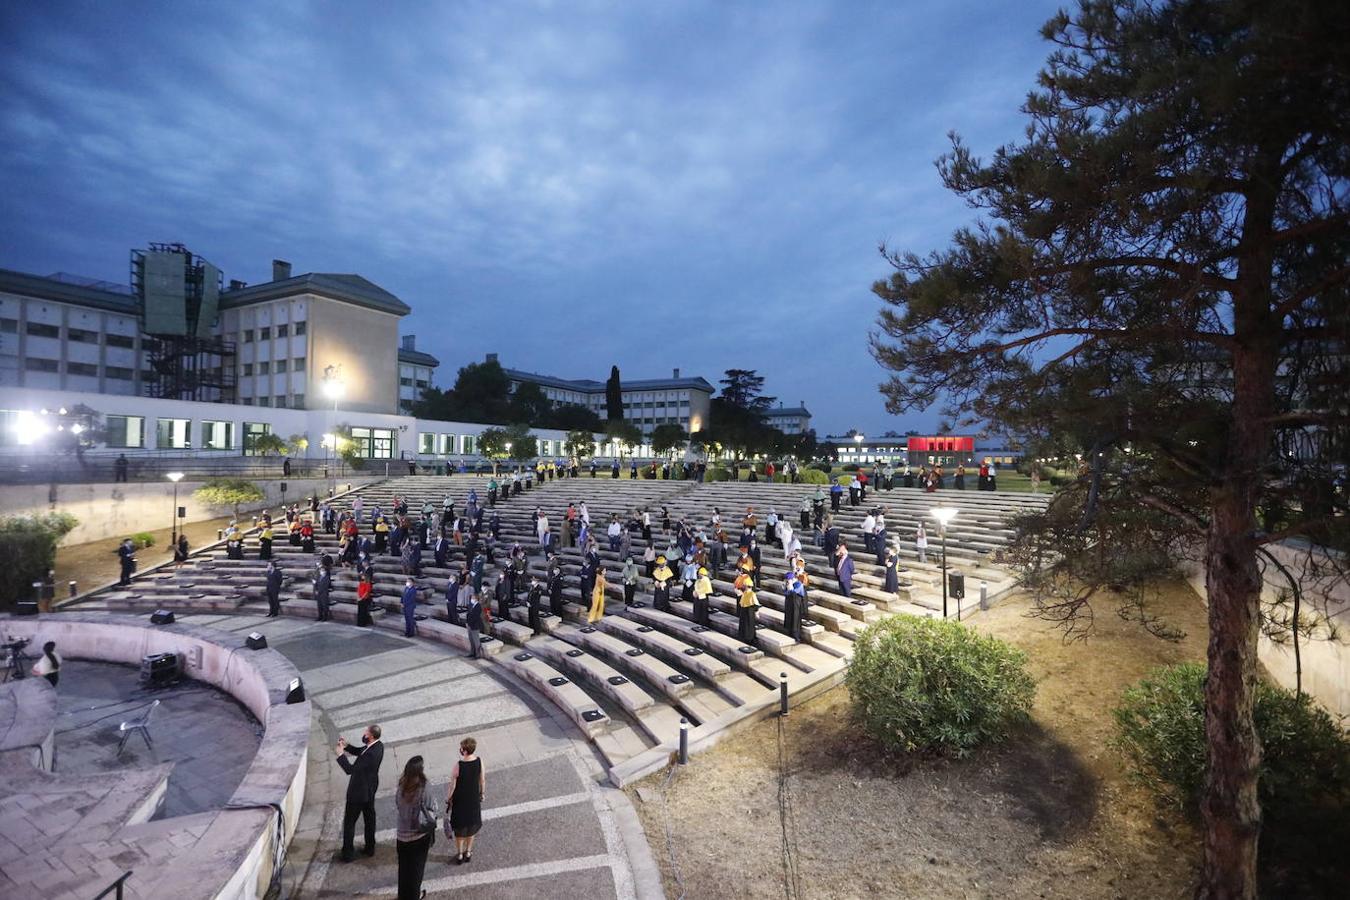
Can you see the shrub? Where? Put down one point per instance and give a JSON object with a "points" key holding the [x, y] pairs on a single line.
{"points": [[851, 467], [28, 546], [1305, 757], [718, 474], [821, 466], [933, 685], [813, 476], [143, 539], [231, 492]]}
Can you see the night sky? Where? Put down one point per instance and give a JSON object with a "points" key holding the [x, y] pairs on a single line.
{"points": [[569, 185]]}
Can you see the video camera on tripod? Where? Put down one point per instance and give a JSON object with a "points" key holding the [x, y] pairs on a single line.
{"points": [[14, 659]]}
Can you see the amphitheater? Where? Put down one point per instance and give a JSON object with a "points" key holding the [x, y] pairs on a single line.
{"points": [[624, 686], [628, 682]]}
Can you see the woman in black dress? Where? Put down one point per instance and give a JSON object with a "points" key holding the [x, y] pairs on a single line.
{"points": [[464, 799]]}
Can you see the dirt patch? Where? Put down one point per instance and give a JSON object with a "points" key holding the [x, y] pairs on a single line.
{"points": [[1051, 814], [95, 563]]}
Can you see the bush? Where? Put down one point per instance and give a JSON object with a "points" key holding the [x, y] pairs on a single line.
{"points": [[851, 467], [933, 685], [717, 475], [1305, 758], [821, 466], [28, 546], [143, 539], [813, 476]]}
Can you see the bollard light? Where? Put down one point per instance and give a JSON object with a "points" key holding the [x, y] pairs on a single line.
{"points": [[684, 741], [782, 694], [73, 587], [984, 595]]}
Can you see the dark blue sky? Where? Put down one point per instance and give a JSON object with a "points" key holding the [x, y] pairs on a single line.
{"points": [[569, 184]]}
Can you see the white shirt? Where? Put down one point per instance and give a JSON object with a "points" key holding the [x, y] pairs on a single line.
{"points": [[44, 665], [921, 539], [869, 524], [615, 529]]}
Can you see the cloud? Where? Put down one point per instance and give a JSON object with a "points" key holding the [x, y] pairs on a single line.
{"points": [[697, 185]]}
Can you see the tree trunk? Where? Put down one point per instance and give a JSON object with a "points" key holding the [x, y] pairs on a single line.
{"points": [[1230, 808]]}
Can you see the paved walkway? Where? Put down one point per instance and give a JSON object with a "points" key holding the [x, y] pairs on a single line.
{"points": [[550, 827]]}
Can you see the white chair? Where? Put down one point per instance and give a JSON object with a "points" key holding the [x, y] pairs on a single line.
{"points": [[140, 724]]}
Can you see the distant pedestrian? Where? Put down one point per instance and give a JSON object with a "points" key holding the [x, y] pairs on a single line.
{"points": [[275, 577], [415, 811], [126, 557], [409, 603], [921, 543], [120, 468], [365, 592], [473, 618], [464, 799], [180, 551], [323, 584]]}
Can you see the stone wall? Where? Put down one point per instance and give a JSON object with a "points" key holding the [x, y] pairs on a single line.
{"points": [[1326, 663], [118, 510]]}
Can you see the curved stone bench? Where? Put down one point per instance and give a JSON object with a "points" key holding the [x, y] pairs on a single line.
{"points": [[223, 853]]}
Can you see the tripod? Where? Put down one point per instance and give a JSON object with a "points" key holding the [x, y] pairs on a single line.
{"points": [[14, 660]]}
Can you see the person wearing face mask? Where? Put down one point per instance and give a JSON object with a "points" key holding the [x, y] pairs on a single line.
{"points": [[362, 784]]}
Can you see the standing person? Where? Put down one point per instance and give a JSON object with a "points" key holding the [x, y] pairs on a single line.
{"points": [[365, 592], [630, 580], [126, 557], [323, 583], [452, 598], [473, 618], [993, 475], [879, 540], [869, 524], [892, 583], [120, 468], [362, 783], [502, 591], [464, 799], [48, 665], [1035, 478], [843, 569], [532, 600], [661, 577], [703, 589], [921, 543], [413, 840], [597, 597], [275, 577], [409, 603], [804, 513], [180, 549], [746, 609], [792, 606], [959, 482], [836, 494]]}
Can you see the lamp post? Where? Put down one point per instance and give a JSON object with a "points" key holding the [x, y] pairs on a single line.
{"points": [[945, 514], [857, 443], [175, 477]]}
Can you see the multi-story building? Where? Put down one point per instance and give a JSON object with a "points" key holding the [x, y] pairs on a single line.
{"points": [[416, 372], [790, 419], [647, 403], [923, 450]]}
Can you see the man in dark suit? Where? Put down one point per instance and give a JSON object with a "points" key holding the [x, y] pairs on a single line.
{"points": [[361, 788], [274, 579]]}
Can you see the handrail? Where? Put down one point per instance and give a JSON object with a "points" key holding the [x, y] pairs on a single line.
{"points": [[115, 886]]}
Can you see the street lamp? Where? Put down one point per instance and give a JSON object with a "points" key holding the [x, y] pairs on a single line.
{"points": [[175, 477], [333, 388], [945, 514]]}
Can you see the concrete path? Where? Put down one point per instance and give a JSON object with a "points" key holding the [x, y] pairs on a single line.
{"points": [[550, 827]]}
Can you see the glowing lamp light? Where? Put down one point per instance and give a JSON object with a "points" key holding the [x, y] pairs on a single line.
{"points": [[175, 477], [944, 514], [332, 389]]}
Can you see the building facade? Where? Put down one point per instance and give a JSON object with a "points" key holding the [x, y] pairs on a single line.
{"points": [[416, 373], [790, 420], [647, 403]]}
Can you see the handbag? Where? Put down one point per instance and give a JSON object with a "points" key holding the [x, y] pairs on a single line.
{"points": [[426, 819]]}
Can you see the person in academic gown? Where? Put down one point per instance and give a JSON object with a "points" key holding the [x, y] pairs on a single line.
{"points": [[747, 608], [843, 568], [703, 589], [661, 577]]}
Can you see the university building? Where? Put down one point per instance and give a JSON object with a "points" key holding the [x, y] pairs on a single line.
{"points": [[647, 403], [947, 450], [789, 419]]}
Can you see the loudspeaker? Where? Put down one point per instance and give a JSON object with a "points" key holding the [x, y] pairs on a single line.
{"points": [[161, 617], [25, 608], [160, 668], [956, 585], [296, 693], [256, 641]]}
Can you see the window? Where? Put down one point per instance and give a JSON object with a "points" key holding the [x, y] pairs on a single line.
{"points": [[264, 368], [373, 443], [279, 401], [470, 443], [252, 431], [247, 401], [80, 336], [298, 365], [446, 443], [76, 368], [283, 330], [298, 401], [426, 442], [281, 366], [172, 434], [265, 333], [299, 328], [118, 372], [125, 341], [248, 336], [41, 365], [406, 382], [9, 326], [217, 435], [124, 431], [42, 329], [421, 383], [264, 401], [248, 368]]}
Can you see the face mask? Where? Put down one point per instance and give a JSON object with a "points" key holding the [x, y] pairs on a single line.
{"points": [[365, 739]]}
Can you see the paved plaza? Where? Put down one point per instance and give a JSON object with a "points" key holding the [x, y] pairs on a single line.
{"points": [[550, 828]]}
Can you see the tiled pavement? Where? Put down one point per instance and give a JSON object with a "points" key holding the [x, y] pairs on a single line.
{"points": [[551, 828]]}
